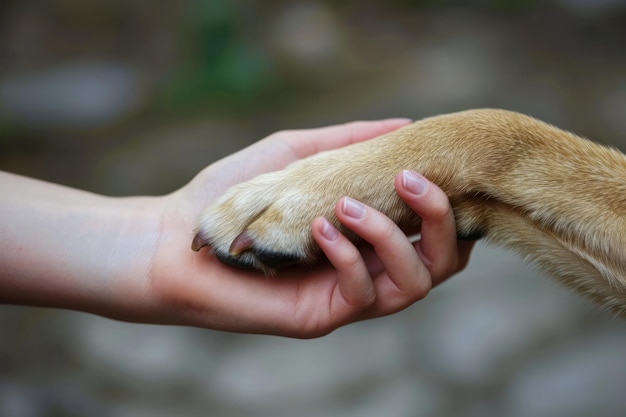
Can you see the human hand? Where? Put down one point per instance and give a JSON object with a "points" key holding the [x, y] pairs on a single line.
{"points": [[196, 289]]}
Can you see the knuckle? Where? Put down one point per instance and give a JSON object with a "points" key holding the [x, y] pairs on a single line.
{"points": [[386, 231], [351, 260], [307, 324], [421, 290], [377, 229], [439, 208], [413, 288], [387, 239]]}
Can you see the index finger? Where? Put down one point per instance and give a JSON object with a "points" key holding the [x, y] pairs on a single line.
{"points": [[308, 142]]}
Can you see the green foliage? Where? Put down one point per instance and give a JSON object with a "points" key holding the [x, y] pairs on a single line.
{"points": [[220, 64]]}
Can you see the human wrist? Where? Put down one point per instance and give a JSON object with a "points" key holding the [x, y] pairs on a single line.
{"points": [[61, 247], [114, 271]]}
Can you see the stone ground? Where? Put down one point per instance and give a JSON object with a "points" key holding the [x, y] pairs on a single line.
{"points": [[498, 340]]}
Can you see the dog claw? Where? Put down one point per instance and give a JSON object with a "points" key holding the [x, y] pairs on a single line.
{"points": [[198, 242], [242, 243]]}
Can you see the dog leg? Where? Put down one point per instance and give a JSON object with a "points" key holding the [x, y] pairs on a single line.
{"points": [[554, 197]]}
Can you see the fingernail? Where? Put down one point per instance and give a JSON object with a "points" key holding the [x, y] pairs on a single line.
{"points": [[353, 208], [328, 231], [413, 183]]}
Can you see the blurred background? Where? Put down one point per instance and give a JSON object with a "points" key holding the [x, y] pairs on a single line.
{"points": [[126, 97]]}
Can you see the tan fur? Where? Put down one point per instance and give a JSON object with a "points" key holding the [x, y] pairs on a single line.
{"points": [[557, 199]]}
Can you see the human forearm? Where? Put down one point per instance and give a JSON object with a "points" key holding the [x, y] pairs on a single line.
{"points": [[62, 247], [130, 258]]}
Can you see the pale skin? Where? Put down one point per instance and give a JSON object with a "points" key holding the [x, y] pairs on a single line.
{"points": [[130, 258]]}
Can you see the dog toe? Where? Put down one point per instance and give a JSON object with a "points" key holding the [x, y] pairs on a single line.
{"points": [[244, 252], [241, 243]]}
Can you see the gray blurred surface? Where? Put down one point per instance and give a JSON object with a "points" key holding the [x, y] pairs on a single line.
{"points": [[500, 339]]}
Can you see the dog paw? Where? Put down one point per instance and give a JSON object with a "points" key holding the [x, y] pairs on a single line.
{"points": [[250, 226], [266, 223], [263, 224]]}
